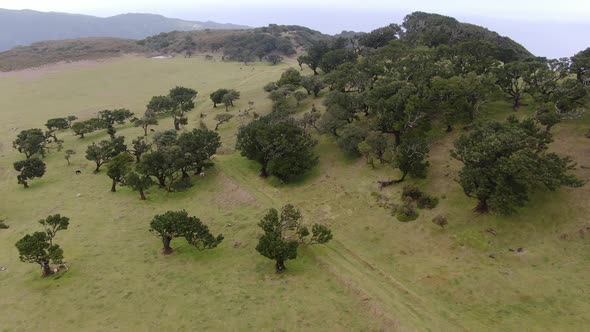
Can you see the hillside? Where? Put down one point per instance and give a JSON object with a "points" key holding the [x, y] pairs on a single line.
{"points": [[22, 27]]}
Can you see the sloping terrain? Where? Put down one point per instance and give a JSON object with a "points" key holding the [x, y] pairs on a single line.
{"points": [[23, 27]]}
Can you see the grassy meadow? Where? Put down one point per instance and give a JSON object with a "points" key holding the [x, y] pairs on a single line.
{"points": [[378, 274]]}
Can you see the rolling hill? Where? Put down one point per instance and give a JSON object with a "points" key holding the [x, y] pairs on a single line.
{"points": [[23, 27]]}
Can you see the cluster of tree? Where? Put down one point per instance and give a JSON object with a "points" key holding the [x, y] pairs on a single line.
{"points": [[432, 69], [256, 46], [176, 224], [285, 232], [292, 86], [40, 248], [106, 119], [282, 147], [225, 97], [177, 103]]}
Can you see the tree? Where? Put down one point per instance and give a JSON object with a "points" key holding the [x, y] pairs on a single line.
{"points": [[410, 157], [283, 148], [139, 146], [377, 142], [29, 169], [57, 124], [509, 78], [197, 147], [380, 37], [183, 101], [111, 117], [274, 59], [581, 66], [35, 248], [349, 139], [105, 150], [174, 224], [164, 165], [217, 96], [30, 142], [299, 96], [148, 119], [138, 182], [39, 248], [334, 58], [314, 56], [505, 162], [283, 234], [85, 127], [71, 118], [222, 118], [290, 76], [68, 154], [117, 168], [312, 84]]}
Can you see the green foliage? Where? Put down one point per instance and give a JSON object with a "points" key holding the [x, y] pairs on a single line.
{"points": [[178, 101], [139, 146], [111, 117], [380, 37], [505, 162], [349, 139], [411, 192], [510, 79], [290, 76], [410, 157], [581, 66], [217, 96], [57, 124], [68, 154], [274, 59], [222, 118], [3, 224], [29, 169], [149, 119], [138, 182], [280, 233], [174, 224], [427, 202], [283, 148], [39, 247], [30, 142], [312, 84], [105, 150], [118, 167]]}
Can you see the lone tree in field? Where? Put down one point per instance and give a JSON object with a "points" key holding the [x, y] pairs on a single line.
{"points": [[217, 96], [274, 59], [111, 117], [105, 150], [281, 146], [118, 167], [174, 224], [505, 162], [68, 154], [39, 247], [284, 233], [29, 169], [229, 97], [30, 142], [57, 124], [139, 182], [148, 119], [222, 118]]}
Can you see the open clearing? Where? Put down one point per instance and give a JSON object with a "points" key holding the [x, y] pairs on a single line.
{"points": [[377, 273]]}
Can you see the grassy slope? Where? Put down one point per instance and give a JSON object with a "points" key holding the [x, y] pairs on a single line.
{"points": [[376, 274]]}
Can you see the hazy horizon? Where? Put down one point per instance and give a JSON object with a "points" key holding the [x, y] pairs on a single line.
{"points": [[543, 28]]}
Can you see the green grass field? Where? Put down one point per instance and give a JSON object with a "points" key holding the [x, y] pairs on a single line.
{"points": [[377, 273]]}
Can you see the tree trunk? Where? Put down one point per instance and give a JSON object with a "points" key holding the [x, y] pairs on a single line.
{"points": [[97, 168], [263, 171], [315, 71], [68, 162], [516, 104], [145, 128], [280, 266], [185, 174], [46, 269], [114, 186], [176, 124], [142, 194], [167, 250], [449, 128], [398, 137], [383, 184], [214, 105], [81, 135], [217, 125], [162, 182], [25, 184], [482, 206]]}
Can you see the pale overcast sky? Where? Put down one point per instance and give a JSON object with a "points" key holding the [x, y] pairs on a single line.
{"points": [[552, 28]]}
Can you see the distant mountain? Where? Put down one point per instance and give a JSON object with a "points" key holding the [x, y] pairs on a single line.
{"points": [[23, 27]]}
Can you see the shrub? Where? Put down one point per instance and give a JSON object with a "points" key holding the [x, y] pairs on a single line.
{"points": [[182, 185], [427, 202], [440, 220], [406, 213], [3, 225], [412, 192]]}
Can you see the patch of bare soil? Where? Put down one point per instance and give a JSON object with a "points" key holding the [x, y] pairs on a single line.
{"points": [[232, 194]]}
